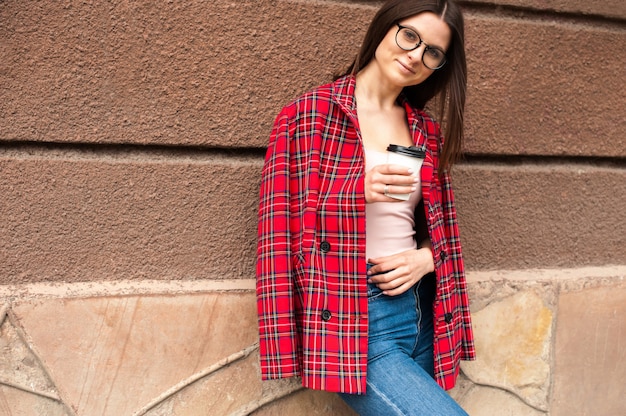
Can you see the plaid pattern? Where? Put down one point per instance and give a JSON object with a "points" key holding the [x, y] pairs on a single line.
{"points": [[311, 266]]}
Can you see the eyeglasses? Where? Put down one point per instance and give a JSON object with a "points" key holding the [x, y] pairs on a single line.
{"points": [[409, 40]]}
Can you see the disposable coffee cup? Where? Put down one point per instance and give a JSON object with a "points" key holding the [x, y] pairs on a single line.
{"points": [[412, 157]]}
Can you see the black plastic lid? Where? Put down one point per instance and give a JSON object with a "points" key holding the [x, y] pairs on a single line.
{"points": [[407, 151]]}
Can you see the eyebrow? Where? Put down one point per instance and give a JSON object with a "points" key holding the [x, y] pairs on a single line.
{"points": [[418, 32]]}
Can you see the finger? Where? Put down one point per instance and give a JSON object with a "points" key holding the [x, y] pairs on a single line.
{"points": [[378, 278], [391, 169], [378, 268], [398, 290], [394, 178], [385, 264], [387, 280], [398, 189]]}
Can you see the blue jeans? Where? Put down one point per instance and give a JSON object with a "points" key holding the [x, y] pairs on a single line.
{"points": [[400, 374]]}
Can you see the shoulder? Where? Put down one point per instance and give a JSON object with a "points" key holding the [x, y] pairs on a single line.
{"points": [[325, 98], [314, 100]]}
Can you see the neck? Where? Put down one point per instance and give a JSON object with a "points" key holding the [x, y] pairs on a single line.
{"points": [[373, 93]]}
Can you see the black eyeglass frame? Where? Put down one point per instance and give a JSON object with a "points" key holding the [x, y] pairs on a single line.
{"points": [[428, 47]]}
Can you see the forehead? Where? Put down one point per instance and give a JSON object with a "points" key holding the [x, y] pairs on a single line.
{"points": [[432, 29]]}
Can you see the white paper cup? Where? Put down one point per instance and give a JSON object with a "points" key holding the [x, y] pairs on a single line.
{"points": [[411, 157]]}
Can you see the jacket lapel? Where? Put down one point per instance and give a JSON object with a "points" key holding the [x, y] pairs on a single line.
{"points": [[343, 96]]}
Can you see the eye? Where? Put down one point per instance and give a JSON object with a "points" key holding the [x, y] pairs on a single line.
{"points": [[434, 53], [410, 36]]}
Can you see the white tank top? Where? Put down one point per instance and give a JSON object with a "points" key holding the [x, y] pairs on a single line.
{"points": [[389, 225]]}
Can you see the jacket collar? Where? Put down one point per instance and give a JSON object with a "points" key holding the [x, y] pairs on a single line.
{"points": [[343, 94]]}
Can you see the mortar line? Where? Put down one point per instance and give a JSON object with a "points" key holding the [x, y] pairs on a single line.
{"points": [[124, 288], [124, 153], [159, 287], [120, 152], [525, 13], [617, 271]]}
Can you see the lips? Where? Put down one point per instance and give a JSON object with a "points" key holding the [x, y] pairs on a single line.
{"points": [[406, 67]]}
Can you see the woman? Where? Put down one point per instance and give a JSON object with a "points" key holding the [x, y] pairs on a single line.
{"points": [[347, 297]]}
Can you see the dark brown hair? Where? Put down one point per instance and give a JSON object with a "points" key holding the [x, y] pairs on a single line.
{"points": [[447, 85]]}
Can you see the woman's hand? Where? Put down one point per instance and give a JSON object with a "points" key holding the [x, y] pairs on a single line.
{"points": [[388, 179], [401, 271]]}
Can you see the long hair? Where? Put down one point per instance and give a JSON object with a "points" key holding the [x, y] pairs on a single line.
{"points": [[447, 85]]}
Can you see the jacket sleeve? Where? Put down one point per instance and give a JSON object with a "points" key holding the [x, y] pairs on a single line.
{"points": [[274, 285]]}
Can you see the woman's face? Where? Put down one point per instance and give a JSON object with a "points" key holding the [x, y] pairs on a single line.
{"points": [[404, 68]]}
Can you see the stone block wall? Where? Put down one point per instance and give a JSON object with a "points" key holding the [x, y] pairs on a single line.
{"points": [[132, 135]]}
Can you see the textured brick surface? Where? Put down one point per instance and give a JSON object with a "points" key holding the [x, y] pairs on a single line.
{"points": [[542, 87], [210, 73], [523, 215], [83, 220], [188, 74], [80, 219]]}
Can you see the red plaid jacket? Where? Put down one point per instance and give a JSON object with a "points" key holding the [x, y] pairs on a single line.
{"points": [[311, 266]]}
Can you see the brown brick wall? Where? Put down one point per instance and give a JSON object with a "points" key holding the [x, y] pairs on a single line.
{"points": [[112, 117]]}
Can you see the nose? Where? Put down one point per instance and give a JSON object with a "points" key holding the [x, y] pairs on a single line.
{"points": [[416, 54]]}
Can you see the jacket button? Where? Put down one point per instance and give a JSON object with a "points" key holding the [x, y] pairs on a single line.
{"points": [[326, 315], [325, 246], [443, 255], [447, 317]]}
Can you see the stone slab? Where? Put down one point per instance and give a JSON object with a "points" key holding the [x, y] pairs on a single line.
{"points": [[513, 342], [237, 390], [589, 353], [309, 403], [221, 393], [20, 403], [19, 367], [115, 355], [70, 218], [486, 401]]}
